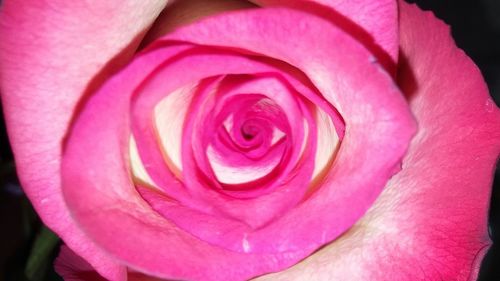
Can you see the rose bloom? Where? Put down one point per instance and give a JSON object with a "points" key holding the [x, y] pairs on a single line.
{"points": [[230, 140]]}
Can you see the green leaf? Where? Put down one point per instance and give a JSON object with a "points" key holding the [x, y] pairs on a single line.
{"points": [[40, 256]]}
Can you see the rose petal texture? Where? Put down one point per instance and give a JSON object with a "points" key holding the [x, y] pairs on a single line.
{"points": [[50, 52], [430, 223], [373, 23], [349, 78]]}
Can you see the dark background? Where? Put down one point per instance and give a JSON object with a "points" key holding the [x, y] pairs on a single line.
{"points": [[27, 249]]}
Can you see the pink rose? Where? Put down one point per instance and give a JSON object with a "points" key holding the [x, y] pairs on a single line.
{"points": [[326, 140]]}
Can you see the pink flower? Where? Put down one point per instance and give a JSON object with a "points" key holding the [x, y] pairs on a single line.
{"points": [[326, 140]]}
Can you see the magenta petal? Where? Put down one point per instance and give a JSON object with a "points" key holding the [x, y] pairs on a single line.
{"points": [[373, 23], [48, 60], [375, 139], [200, 198], [274, 89], [110, 211], [430, 223], [110, 207], [446, 179], [254, 212]]}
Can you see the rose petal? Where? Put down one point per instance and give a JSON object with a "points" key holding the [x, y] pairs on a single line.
{"points": [[183, 12], [373, 23], [378, 123], [431, 221], [254, 212], [48, 59], [109, 207], [169, 117], [147, 242], [284, 95]]}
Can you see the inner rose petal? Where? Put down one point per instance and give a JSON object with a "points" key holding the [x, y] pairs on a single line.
{"points": [[169, 116], [138, 171], [199, 198], [228, 174], [328, 143], [205, 224], [185, 94], [196, 130], [230, 100]]}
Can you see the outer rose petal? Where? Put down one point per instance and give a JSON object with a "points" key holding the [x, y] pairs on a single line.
{"points": [[377, 18], [373, 23], [50, 51], [430, 222]]}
